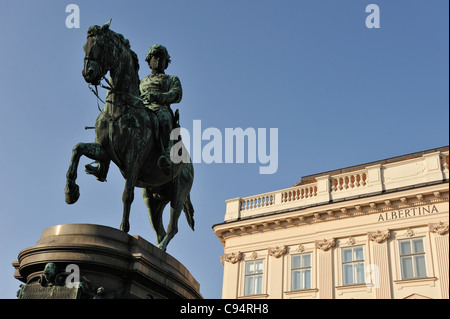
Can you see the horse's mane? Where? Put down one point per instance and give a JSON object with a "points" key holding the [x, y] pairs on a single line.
{"points": [[96, 30]]}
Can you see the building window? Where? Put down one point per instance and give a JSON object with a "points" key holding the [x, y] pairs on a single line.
{"points": [[353, 265], [253, 277], [412, 258], [301, 272]]}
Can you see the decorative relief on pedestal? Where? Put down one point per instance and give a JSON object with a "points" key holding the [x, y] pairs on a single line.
{"points": [[54, 283], [325, 244], [439, 228], [277, 252], [379, 236], [232, 257]]}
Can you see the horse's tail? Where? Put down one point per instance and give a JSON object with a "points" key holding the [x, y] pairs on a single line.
{"points": [[189, 211]]}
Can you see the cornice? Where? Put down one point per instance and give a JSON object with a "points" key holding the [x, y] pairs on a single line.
{"points": [[334, 211]]}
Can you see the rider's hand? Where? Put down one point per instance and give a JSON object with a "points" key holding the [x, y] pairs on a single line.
{"points": [[150, 97]]}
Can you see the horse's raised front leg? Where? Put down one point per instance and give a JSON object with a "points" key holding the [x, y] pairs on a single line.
{"points": [[93, 151]]}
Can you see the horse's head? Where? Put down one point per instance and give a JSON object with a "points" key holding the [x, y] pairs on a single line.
{"points": [[96, 63], [101, 52]]}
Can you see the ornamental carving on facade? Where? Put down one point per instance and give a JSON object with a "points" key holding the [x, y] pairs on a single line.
{"points": [[325, 244], [410, 232], [277, 252], [379, 236], [232, 257], [351, 241], [300, 248], [439, 228]]}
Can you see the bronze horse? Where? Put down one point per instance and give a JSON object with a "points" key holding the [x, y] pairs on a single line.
{"points": [[126, 133]]}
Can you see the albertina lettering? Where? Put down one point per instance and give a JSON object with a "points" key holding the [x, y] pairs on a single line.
{"points": [[407, 212]]}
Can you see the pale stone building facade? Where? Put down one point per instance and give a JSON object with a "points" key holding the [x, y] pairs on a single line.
{"points": [[378, 230]]}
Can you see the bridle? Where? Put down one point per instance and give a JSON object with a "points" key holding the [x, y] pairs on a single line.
{"points": [[111, 90]]}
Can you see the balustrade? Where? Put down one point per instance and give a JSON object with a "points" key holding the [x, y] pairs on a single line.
{"points": [[298, 193], [322, 189], [349, 181], [258, 201]]}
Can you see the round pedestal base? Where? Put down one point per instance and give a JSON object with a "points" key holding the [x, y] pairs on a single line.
{"points": [[94, 261]]}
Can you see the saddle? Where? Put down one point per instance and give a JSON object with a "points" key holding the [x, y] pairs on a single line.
{"points": [[154, 125]]}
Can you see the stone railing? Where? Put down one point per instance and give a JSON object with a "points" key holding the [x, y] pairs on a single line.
{"points": [[258, 201], [349, 181], [430, 167], [299, 193]]}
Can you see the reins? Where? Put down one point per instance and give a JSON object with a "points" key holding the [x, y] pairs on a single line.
{"points": [[98, 97], [112, 90]]}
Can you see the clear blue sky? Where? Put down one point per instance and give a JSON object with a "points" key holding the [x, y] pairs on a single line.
{"points": [[339, 93]]}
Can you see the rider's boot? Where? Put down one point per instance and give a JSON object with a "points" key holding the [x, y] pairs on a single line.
{"points": [[99, 171], [164, 161]]}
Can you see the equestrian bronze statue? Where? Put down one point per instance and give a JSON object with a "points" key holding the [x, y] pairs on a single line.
{"points": [[132, 131]]}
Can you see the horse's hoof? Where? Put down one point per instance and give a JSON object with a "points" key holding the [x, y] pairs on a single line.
{"points": [[163, 247], [72, 194], [125, 227]]}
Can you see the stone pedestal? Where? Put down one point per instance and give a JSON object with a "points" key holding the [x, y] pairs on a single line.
{"points": [[94, 261]]}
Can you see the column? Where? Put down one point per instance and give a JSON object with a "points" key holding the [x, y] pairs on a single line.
{"points": [[325, 268], [230, 275], [382, 284], [442, 252], [275, 276]]}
